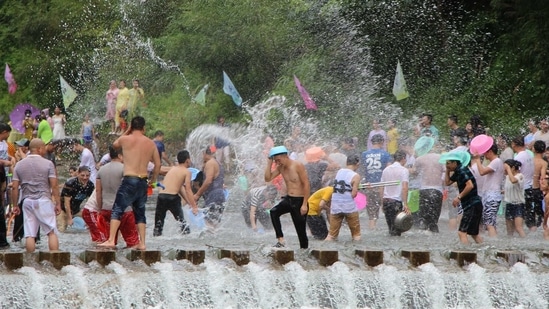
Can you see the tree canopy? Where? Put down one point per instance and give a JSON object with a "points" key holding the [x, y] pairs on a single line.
{"points": [[459, 57]]}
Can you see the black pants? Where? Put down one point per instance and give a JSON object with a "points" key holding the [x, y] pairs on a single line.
{"points": [[430, 205], [318, 227], [171, 202], [533, 212], [291, 205], [3, 227], [391, 208]]}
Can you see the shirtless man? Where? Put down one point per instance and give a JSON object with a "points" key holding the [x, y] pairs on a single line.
{"points": [[40, 195], [138, 151], [177, 184], [295, 203], [533, 215]]}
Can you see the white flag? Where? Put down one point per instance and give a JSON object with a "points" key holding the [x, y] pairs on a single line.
{"points": [[399, 87], [68, 93]]}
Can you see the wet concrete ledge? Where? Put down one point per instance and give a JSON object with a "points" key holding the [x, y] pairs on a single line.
{"points": [[13, 260]]}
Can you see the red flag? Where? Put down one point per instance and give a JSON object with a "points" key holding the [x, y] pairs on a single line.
{"points": [[12, 86], [309, 103]]}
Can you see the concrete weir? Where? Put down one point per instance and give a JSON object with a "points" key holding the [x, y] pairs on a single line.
{"points": [[12, 260]]}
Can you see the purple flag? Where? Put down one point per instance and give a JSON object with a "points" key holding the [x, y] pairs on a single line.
{"points": [[309, 103], [12, 86]]}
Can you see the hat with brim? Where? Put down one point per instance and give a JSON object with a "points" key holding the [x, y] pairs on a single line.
{"points": [[277, 151], [481, 144], [423, 145], [314, 154], [462, 156], [22, 142]]}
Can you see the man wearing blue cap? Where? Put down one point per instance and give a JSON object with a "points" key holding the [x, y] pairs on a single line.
{"points": [[295, 203], [458, 172], [177, 184]]}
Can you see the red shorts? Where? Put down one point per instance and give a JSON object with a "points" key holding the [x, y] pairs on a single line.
{"points": [[99, 225]]}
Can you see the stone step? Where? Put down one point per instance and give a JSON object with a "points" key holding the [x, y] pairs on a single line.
{"points": [[417, 257], [371, 258], [325, 257], [240, 257]]}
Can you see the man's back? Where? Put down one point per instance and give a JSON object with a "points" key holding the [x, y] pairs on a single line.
{"points": [[33, 174], [174, 179], [429, 170], [138, 150], [373, 162], [111, 177]]}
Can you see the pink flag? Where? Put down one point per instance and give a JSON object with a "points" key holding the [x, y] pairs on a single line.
{"points": [[12, 86], [309, 103]]}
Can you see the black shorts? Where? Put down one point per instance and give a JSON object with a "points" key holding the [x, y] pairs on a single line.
{"points": [[472, 215], [2, 174]]}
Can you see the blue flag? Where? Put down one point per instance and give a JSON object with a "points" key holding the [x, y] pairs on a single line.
{"points": [[229, 89]]}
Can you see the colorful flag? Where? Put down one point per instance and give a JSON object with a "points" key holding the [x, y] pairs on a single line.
{"points": [[309, 103], [229, 89], [201, 96], [399, 87], [68, 93], [12, 85]]}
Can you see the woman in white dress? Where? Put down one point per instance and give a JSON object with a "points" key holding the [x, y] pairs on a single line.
{"points": [[58, 124]]}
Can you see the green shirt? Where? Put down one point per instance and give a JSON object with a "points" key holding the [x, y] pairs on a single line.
{"points": [[44, 131]]}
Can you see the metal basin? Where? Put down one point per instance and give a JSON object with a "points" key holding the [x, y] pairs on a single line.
{"points": [[403, 222]]}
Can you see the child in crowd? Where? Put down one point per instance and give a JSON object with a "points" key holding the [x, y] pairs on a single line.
{"points": [[514, 197]]}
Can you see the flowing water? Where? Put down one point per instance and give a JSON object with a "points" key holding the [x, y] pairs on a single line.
{"points": [[263, 283]]}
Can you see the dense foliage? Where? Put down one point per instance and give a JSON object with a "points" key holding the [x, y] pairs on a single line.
{"points": [[459, 57]]}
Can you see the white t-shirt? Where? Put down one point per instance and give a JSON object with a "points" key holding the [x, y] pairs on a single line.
{"points": [[393, 172], [527, 168], [493, 181], [88, 160]]}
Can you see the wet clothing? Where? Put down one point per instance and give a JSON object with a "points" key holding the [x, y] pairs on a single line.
{"points": [[39, 213], [372, 164], [533, 212], [214, 198], [470, 203], [430, 207], [257, 198], [171, 202], [132, 191], [472, 215], [513, 211], [77, 192], [317, 225], [291, 205], [391, 208], [353, 221]]}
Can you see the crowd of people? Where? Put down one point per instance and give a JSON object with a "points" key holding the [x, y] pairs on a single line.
{"points": [[427, 173], [416, 173]]}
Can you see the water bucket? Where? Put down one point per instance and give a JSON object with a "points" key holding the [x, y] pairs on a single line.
{"points": [[481, 144], [197, 221], [413, 200], [361, 201]]}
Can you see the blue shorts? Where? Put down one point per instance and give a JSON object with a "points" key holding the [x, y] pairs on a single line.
{"points": [[132, 191], [513, 211]]}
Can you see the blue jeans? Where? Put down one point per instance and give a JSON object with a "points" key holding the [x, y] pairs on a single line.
{"points": [[132, 191]]}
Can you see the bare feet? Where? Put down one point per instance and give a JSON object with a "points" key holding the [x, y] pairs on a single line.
{"points": [[107, 244], [138, 247]]}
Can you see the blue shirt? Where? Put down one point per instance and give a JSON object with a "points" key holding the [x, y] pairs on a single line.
{"points": [[161, 148], [373, 163]]}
